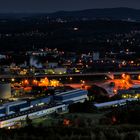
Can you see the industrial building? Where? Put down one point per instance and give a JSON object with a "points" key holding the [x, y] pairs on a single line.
{"points": [[13, 112], [22, 105], [41, 101], [13, 107], [133, 92], [72, 96], [11, 120], [113, 104]]}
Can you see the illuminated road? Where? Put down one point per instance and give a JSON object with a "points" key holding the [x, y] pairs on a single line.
{"points": [[118, 84], [68, 75]]}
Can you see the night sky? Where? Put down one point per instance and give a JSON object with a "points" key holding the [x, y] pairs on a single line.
{"points": [[56, 5]]}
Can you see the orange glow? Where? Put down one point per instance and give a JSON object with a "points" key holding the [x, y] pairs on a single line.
{"points": [[124, 84], [44, 82], [115, 91], [123, 75], [54, 83], [114, 120], [27, 89], [25, 82], [35, 82], [139, 77], [82, 81], [66, 122]]}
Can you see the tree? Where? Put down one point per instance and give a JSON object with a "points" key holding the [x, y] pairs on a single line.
{"points": [[132, 136], [101, 136], [28, 121]]}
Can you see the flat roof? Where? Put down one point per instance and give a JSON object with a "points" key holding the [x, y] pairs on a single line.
{"points": [[67, 92], [14, 103], [71, 93]]}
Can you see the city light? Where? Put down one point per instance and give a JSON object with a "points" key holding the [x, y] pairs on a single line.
{"points": [[123, 75], [71, 78], [35, 82], [12, 79], [78, 71], [54, 83], [138, 77]]}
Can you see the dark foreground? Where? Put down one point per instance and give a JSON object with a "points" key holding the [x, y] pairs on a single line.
{"points": [[125, 132]]}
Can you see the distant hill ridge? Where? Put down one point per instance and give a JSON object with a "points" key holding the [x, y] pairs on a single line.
{"points": [[111, 13]]}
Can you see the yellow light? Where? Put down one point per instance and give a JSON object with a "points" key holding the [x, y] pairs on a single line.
{"points": [[44, 82], [26, 82], [83, 82], [12, 79], [35, 81], [139, 77], [70, 78], [115, 91], [124, 96], [77, 70], [54, 83]]}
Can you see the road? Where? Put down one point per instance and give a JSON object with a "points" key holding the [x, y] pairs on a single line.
{"points": [[68, 75]]}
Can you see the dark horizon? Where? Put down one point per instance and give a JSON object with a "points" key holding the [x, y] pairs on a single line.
{"points": [[49, 6], [76, 10]]}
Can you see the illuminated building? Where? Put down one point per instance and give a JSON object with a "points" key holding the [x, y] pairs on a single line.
{"points": [[72, 96], [113, 104], [54, 83], [133, 92], [44, 82], [12, 120]]}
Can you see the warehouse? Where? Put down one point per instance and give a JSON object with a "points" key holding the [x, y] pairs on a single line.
{"points": [[72, 96], [41, 101], [129, 93], [113, 104], [22, 105], [11, 120]]}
